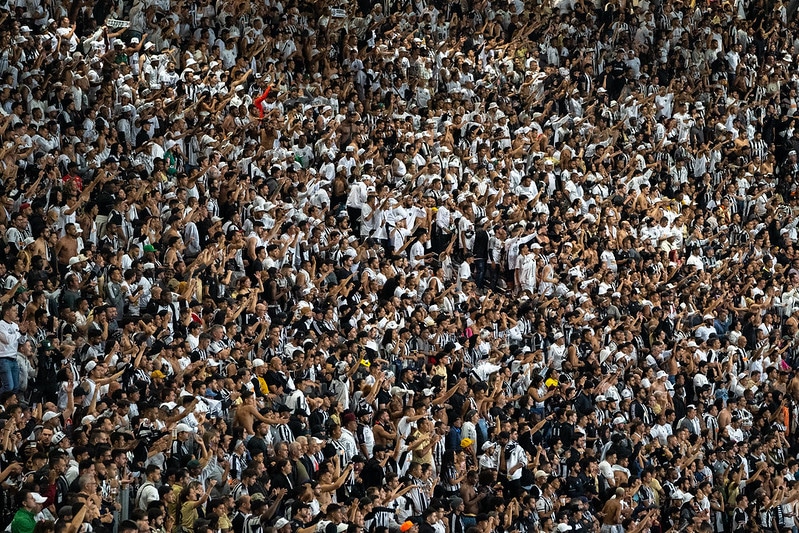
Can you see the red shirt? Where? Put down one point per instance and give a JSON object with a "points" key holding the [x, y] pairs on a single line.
{"points": [[75, 179]]}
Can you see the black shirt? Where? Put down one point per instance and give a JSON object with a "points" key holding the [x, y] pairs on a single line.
{"points": [[256, 445], [480, 248], [372, 474]]}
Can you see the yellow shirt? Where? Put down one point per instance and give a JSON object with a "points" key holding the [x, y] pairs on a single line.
{"points": [[172, 508], [263, 385], [188, 515], [422, 459], [656, 488]]}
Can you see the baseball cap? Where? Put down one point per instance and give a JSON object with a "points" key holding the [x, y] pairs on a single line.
{"points": [[49, 415]]}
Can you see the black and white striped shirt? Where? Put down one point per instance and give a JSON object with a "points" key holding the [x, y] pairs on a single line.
{"points": [[758, 148], [283, 433]]}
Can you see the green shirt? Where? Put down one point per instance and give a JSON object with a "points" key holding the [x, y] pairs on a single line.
{"points": [[23, 522]]}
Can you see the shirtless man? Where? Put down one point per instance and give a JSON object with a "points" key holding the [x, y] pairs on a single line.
{"points": [[67, 247], [247, 412], [384, 430], [793, 387], [41, 246], [612, 513], [471, 498]]}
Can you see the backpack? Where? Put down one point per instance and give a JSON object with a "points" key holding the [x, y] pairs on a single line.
{"points": [[140, 493]]}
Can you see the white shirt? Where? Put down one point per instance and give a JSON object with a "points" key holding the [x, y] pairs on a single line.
{"points": [[736, 435], [661, 432], [9, 339], [610, 261], [696, 261], [357, 195], [416, 253], [606, 470], [515, 456], [527, 266], [147, 493]]}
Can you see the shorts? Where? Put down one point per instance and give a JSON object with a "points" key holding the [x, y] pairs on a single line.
{"points": [[612, 529]]}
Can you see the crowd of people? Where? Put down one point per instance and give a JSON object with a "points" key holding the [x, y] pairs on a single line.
{"points": [[482, 266]]}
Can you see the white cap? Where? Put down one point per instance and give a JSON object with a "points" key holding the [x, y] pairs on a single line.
{"points": [[257, 362], [38, 498], [181, 428], [91, 364]]}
